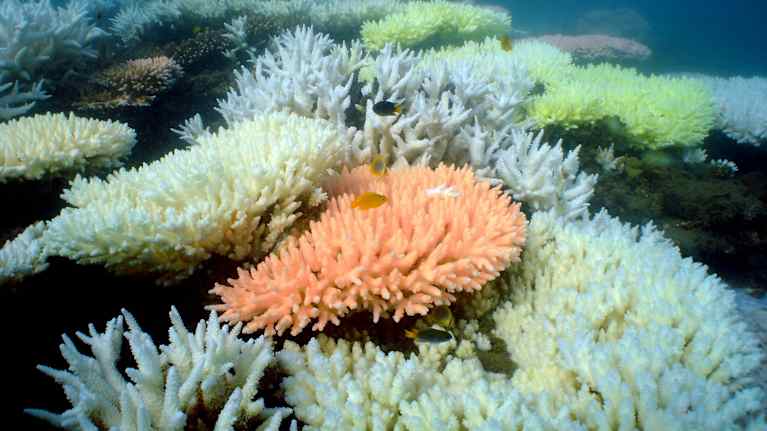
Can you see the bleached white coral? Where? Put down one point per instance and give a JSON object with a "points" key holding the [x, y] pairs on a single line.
{"points": [[610, 322], [23, 255], [608, 328], [31, 147], [694, 155], [135, 16], [35, 35], [17, 102], [199, 376], [741, 111], [724, 165], [543, 177], [233, 194], [304, 73], [606, 159]]}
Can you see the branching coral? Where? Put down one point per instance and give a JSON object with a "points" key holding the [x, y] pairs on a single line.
{"points": [[233, 194], [139, 81], [18, 102], [424, 24], [209, 375], [31, 147], [23, 255], [439, 233], [305, 74], [609, 328], [35, 36]]}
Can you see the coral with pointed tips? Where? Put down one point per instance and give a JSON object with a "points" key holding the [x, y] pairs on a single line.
{"points": [[414, 252]]}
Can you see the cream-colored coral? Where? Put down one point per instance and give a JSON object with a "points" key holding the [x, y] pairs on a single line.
{"points": [[611, 321], [609, 327], [31, 147], [23, 255], [233, 194]]}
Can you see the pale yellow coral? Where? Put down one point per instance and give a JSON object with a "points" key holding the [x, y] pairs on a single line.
{"points": [[233, 194], [47, 144], [423, 24]]}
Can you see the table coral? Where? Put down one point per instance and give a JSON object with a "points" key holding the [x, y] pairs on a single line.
{"points": [[412, 253]]}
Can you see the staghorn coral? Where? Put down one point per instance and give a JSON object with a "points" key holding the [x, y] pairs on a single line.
{"points": [[36, 37], [440, 232], [18, 102], [305, 73], [424, 24], [46, 144], [140, 80], [206, 379], [233, 194]]}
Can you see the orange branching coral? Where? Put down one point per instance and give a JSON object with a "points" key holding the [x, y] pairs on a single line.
{"points": [[441, 231]]}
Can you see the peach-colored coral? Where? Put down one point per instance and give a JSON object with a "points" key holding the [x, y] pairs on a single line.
{"points": [[441, 231]]}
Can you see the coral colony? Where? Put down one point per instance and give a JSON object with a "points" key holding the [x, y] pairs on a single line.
{"points": [[385, 159]]}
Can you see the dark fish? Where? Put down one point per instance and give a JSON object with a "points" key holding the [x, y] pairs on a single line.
{"points": [[506, 43], [386, 107], [429, 335]]}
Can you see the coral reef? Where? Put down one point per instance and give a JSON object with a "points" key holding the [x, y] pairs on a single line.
{"points": [[597, 47], [625, 332], [440, 232], [609, 328], [656, 111], [138, 82], [52, 144], [426, 24], [741, 111], [36, 37], [233, 194], [209, 375], [18, 102], [23, 255]]}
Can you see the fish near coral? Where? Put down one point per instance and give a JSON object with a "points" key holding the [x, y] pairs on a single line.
{"points": [[404, 258], [386, 107], [368, 200], [440, 315], [428, 335], [378, 165], [506, 43]]}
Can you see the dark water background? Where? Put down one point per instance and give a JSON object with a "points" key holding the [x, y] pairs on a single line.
{"points": [[709, 36]]}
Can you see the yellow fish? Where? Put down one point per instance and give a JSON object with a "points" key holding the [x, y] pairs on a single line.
{"points": [[368, 200], [440, 315], [506, 43], [378, 165]]}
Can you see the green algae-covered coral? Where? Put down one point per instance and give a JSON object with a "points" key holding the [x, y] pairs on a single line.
{"points": [[423, 24]]}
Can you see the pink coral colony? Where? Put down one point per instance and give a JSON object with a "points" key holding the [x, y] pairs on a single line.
{"points": [[441, 231]]}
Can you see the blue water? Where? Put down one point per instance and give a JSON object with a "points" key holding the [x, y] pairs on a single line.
{"points": [[709, 36]]}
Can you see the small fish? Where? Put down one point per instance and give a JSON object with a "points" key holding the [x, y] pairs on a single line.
{"points": [[506, 43], [378, 165], [428, 335], [440, 315], [386, 107], [368, 200]]}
